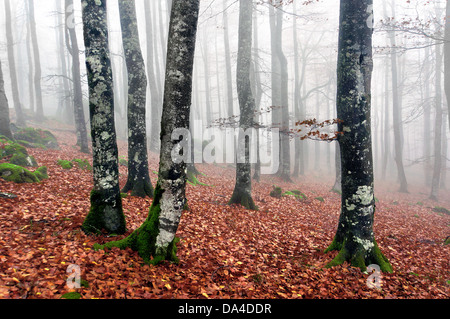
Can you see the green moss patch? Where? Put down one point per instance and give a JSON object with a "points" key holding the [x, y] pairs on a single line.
{"points": [[443, 210], [37, 137], [82, 164], [65, 164]]}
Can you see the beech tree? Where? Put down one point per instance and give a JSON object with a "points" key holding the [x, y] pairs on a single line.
{"points": [[37, 65], [155, 239], [72, 47], [12, 65], [242, 193], [106, 204], [354, 238], [138, 176], [5, 128]]}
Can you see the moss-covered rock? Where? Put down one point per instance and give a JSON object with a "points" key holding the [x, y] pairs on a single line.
{"points": [[23, 160], [41, 173], [19, 174], [276, 192], [65, 164], [443, 210], [37, 136]]}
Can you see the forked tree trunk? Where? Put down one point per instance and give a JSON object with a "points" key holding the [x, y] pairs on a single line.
{"points": [[138, 176], [242, 193], [106, 204], [155, 239], [354, 237]]}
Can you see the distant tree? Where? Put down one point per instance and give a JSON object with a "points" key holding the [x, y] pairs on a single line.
{"points": [[5, 128], [12, 65], [106, 204], [138, 176], [37, 65], [280, 115], [72, 47], [354, 238], [242, 193], [155, 239]]}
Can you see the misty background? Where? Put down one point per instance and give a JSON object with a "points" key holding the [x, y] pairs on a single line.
{"points": [[408, 47]]}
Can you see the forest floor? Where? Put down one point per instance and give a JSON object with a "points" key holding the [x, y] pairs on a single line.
{"points": [[224, 252]]}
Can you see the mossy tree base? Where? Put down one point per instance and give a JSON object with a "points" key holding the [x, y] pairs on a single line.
{"points": [[143, 240], [138, 188], [106, 213], [242, 198], [358, 256]]}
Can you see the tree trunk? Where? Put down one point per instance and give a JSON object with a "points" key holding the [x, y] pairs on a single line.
{"points": [[12, 66], [37, 66], [397, 115], [354, 237], [155, 95], [436, 179], [242, 193], [280, 112], [155, 239], [78, 110], [5, 128], [138, 176], [227, 53], [447, 58], [106, 204]]}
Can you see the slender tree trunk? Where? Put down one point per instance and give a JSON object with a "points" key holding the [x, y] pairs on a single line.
{"points": [[257, 93], [427, 124], [447, 58], [30, 63], [436, 179], [138, 176], [37, 66], [78, 110], [5, 128], [155, 239], [61, 31], [397, 115], [155, 95], [243, 187], [354, 238], [280, 113], [227, 53], [12, 66], [106, 204], [337, 159]]}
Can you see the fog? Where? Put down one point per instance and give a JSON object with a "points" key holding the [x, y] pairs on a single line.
{"points": [[409, 34]]}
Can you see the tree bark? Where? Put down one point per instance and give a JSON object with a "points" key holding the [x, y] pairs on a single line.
{"points": [[78, 110], [155, 239], [12, 65], [5, 128], [354, 237], [106, 204], [138, 176], [242, 193]]}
